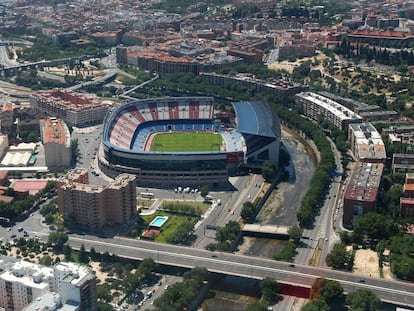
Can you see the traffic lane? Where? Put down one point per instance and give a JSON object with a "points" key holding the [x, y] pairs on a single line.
{"points": [[259, 268], [187, 256]]}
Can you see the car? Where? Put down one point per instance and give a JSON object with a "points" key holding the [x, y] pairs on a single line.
{"points": [[12, 236], [291, 265], [20, 229], [166, 287], [214, 256], [8, 229], [361, 281]]}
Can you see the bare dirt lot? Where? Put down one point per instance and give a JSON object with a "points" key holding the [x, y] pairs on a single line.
{"points": [[367, 263]]}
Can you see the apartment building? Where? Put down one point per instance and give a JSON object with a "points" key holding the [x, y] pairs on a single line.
{"points": [[402, 162], [366, 143], [66, 284], [96, 206], [56, 141], [275, 87], [367, 112], [75, 283], [361, 192], [73, 108], [318, 107]]}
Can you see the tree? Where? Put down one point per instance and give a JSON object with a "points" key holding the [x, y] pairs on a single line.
{"points": [[269, 288], [147, 267], [268, 171], [375, 226], [332, 292], [67, 251], [339, 257], [95, 256], [57, 239], [248, 211], [46, 261], [83, 255], [316, 305], [363, 300], [295, 233], [204, 191]]}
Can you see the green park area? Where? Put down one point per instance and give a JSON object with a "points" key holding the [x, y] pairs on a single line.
{"points": [[186, 142], [182, 216]]}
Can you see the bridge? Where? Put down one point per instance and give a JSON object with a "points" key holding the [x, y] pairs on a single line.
{"points": [[11, 71], [396, 292], [275, 231]]}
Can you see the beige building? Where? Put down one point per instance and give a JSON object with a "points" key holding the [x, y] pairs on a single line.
{"points": [[56, 140], [96, 206]]}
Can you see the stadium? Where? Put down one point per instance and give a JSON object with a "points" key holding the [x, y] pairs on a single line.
{"points": [[182, 141]]}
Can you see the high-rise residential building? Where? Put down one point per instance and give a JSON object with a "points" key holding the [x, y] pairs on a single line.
{"points": [[22, 283], [320, 108], [97, 206], [362, 191], [56, 141], [366, 143], [73, 108]]}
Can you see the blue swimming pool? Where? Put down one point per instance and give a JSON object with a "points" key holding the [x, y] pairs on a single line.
{"points": [[158, 221]]}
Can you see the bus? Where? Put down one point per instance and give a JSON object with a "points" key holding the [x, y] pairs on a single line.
{"points": [[147, 195]]}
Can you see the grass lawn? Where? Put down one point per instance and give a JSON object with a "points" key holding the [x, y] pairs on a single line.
{"points": [[174, 221], [187, 141], [201, 205]]}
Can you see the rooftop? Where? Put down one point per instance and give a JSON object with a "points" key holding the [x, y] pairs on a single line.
{"points": [[335, 108], [55, 131], [364, 182]]}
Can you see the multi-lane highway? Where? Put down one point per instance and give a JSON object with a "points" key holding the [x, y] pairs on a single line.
{"points": [[398, 292]]}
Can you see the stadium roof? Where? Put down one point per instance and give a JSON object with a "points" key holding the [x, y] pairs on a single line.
{"points": [[254, 118]]}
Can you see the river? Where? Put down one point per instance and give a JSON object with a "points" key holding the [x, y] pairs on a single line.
{"points": [[284, 202]]}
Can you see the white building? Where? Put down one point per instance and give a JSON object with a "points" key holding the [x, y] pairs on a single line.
{"points": [[19, 155], [366, 143], [22, 283], [318, 107]]}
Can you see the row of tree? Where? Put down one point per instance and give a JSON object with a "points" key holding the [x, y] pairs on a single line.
{"points": [[328, 295]]}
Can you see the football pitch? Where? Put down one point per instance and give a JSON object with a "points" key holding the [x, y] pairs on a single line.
{"points": [[186, 142]]}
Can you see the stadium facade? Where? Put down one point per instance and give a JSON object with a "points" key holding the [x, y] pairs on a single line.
{"points": [[248, 139]]}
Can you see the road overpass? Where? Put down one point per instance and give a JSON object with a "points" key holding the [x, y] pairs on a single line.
{"points": [[257, 230], [396, 292]]}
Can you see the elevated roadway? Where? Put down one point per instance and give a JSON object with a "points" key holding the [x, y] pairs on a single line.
{"points": [[397, 292], [266, 230]]}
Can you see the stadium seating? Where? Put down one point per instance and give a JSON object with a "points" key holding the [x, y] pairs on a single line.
{"points": [[127, 131]]}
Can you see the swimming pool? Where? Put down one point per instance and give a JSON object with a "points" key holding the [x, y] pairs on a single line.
{"points": [[158, 221]]}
